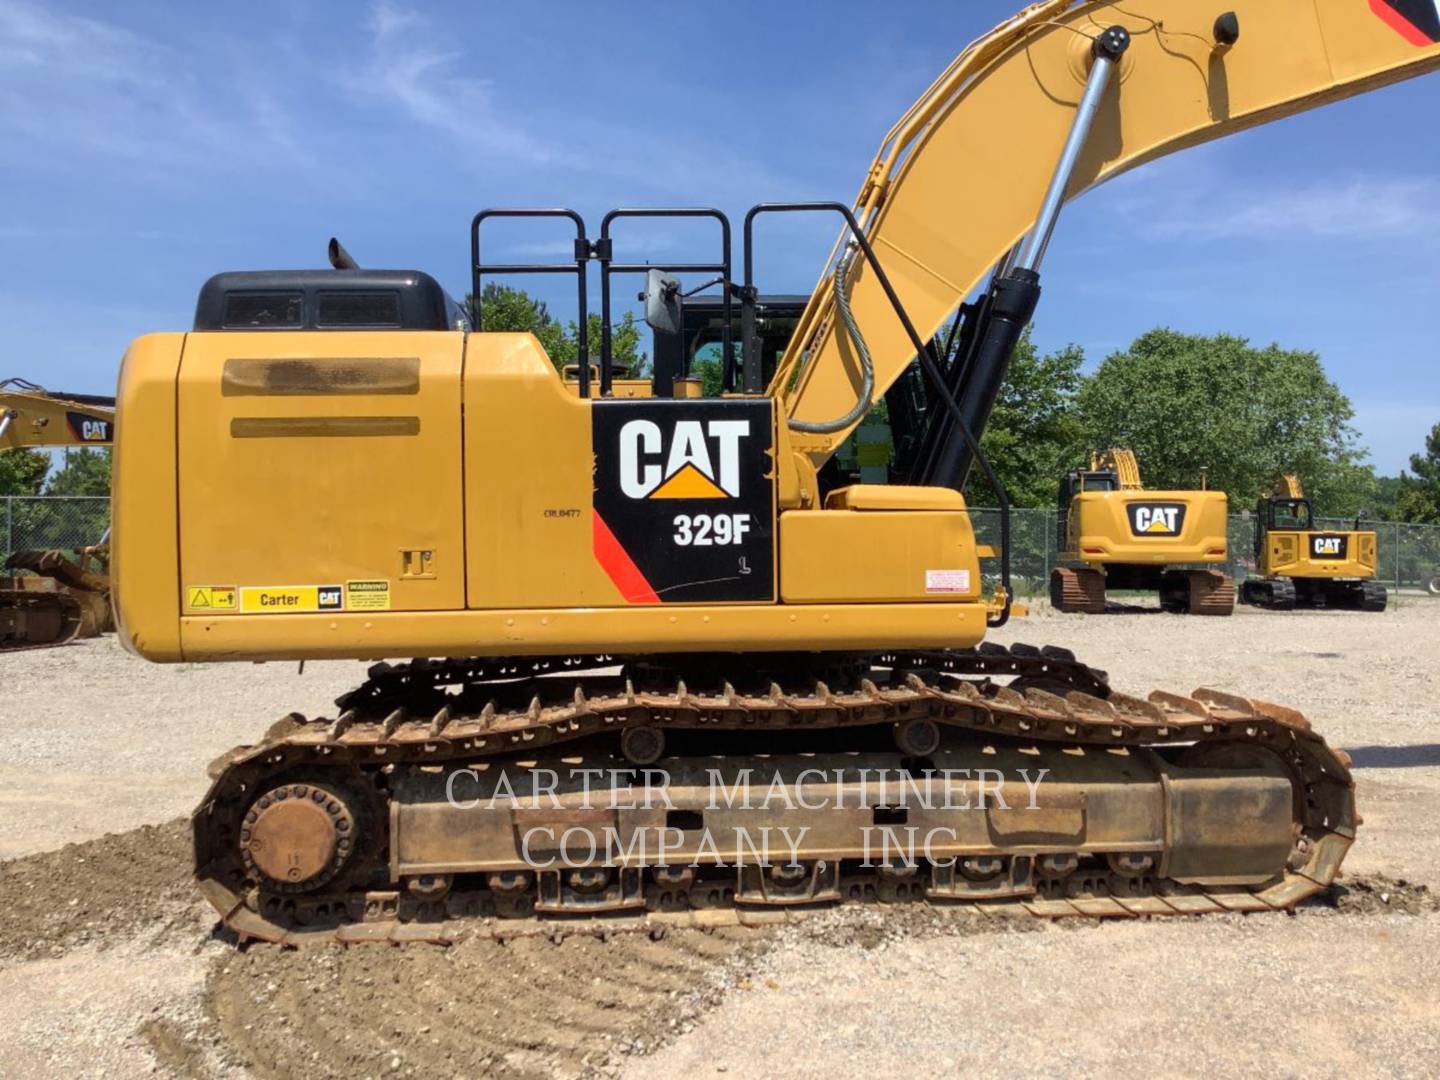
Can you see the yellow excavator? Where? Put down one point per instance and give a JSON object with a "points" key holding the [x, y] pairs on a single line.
{"points": [[56, 599], [664, 670], [1298, 565], [1112, 532]]}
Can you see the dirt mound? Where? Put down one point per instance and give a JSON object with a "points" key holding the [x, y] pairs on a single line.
{"points": [[1378, 894], [526, 1008], [104, 890]]}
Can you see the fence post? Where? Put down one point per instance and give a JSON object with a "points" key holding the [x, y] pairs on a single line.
{"points": [[1397, 559], [9, 525]]}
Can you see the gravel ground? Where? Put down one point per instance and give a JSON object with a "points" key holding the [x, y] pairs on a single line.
{"points": [[108, 966]]}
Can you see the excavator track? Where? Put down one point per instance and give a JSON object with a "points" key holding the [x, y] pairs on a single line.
{"points": [[1198, 592], [37, 618], [1077, 590], [361, 776]]}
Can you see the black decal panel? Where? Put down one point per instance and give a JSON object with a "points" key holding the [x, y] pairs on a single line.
{"points": [[684, 500], [1418, 21], [1329, 546], [89, 429], [1156, 518]]}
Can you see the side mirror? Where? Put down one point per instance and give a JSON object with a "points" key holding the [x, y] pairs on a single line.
{"points": [[664, 309]]}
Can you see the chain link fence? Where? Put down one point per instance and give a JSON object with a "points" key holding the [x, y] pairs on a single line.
{"points": [[65, 522], [1409, 554]]}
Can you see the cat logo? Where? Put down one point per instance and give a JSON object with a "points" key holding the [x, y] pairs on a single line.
{"points": [[1156, 519], [699, 459], [90, 429], [1327, 547]]}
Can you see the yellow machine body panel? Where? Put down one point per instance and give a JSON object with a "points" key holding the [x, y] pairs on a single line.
{"points": [[144, 554], [1147, 527], [390, 494], [834, 556], [1319, 554], [320, 473]]}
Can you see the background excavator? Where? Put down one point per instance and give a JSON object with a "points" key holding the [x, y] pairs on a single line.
{"points": [[676, 590], [1302, 566], [1115, 533], [57, 598]]}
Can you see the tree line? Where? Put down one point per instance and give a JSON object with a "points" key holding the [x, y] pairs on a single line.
{"points": [[1183, 402]]}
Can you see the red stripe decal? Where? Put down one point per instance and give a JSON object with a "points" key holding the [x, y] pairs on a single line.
{"points": [[1401, 25], [616, 562]]}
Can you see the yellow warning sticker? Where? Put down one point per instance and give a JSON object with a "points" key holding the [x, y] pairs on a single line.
{"points": [[213, 597], [290, 599], [367, 595]]}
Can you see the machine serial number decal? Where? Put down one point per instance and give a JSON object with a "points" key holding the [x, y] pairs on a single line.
{"points": [[367, 595], [290, 599]]}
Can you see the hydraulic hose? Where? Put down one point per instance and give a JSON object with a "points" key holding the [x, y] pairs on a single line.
{"points": [[867, 369]]}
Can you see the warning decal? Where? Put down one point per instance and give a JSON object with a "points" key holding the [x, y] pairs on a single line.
{"points": [[367, 595], [947, 581], [288, 599], [214, 597]]}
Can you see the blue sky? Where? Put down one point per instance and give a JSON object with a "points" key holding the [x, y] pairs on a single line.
{"points": [[148, 145]]}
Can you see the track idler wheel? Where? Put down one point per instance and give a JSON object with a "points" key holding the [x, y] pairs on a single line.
{"points": [[917, 737], [296, 837], [642, 745]]}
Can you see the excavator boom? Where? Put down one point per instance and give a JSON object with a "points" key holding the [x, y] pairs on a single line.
{"points": [[960, 181]]}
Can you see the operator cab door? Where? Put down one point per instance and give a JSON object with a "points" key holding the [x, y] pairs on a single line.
{"points": [[320, 472]]}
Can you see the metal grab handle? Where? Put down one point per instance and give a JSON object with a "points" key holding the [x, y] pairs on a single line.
{"points": [[923, 352], [582, 256]]}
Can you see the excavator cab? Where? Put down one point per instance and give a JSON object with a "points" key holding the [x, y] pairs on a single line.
{"points": [[700, 342]]}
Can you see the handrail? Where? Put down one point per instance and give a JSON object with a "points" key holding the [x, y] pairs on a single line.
{"points": [[924, 351], [583, 252], [604, 252]]}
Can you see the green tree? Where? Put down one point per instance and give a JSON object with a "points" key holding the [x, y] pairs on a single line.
{"points": [[505, 309], [22, 472], [85, 472], [1419, 497], [1032, 438], [1184, 402]]}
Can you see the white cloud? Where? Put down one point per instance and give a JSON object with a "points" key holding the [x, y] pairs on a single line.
{"points": [[74, 90], [1170, 200], [411, 66]]}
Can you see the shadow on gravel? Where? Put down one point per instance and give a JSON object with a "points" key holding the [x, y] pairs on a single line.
{"points": [[1416, 755]]}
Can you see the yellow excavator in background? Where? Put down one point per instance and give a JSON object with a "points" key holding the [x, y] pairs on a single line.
{"points": [[612, 595], [1113, 533], [57, 598], [1299, 565]]}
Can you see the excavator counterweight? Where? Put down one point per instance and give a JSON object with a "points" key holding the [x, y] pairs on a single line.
{"points": [[632, 613]]}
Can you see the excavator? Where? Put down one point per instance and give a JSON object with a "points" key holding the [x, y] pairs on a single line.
{"points": [[1300, 565], [1113, 532], [57, 599], [648, 634]]}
